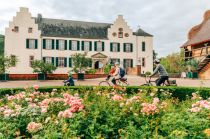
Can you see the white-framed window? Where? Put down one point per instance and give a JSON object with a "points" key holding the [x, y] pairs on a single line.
{"points": [[86, 46], [30, 30], [61, 61], [48, 60], [128, 47], [99, 47], [114, 60], [128, 63], [74, 45], [48, 44], [120, 33], [31, 59], [32, 43], [115, 47], [143, 46], [61, 45]]}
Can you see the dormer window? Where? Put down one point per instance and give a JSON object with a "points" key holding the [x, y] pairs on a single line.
{"points": [[120, 33], [16, 29], [30, 30]]}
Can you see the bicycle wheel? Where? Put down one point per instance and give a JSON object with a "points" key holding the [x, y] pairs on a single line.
{"points": [[104, 83]]}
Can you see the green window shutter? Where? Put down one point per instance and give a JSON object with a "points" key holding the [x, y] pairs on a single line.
{"points": [[27, 43], [56, 62], [65, 62], [111, 47], [65, 44], [44, 59], [36, 44], [90, 49], [118, 47], [131, 47], [44, 44], [53, 61], [95, 46], [57, 44], [124, 63], [70, 62], [124, 47], [53, 44], [143, 46], [78, 45], [70, 43], [131, 63], [82, 45], [102, 46]]}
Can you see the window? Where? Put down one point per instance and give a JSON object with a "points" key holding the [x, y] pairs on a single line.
{"points": [[48, 44], [120, 33], [115, 47], [30, 30], [86, 46], [143, 47], [128, 63], [74, 45], [31, 59], [16, 29], [61, 45], [32, 43], [128, 47], [143, 62], [114, 60], [48, 60], [99, 46], [61, 61]]}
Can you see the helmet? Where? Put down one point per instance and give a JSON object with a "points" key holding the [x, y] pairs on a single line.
{"points": [[156, 61], [117, 63]]}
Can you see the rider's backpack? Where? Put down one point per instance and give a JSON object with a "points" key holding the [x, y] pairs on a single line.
{"points": [[122, 72]]}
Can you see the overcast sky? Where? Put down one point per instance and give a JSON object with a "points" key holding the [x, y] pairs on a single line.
{"points": [[168, 20]]}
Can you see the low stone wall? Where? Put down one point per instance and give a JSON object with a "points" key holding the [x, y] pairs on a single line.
{"points": [[52, 76]]}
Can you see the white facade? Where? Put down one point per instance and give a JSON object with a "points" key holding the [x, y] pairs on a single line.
{"points": [[23, 23]]}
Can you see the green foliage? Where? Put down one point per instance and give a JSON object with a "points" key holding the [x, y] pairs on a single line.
{"points": [[102, 116], [7, 62], [91, 71], [148, 73], [192, 64], [107, 69], [81, 63], [40, 66], [174, 63]]}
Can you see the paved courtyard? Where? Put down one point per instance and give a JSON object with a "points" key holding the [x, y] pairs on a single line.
{"points": [[133, 80]]}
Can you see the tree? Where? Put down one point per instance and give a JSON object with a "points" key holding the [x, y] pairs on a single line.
{"points": [[39, 66], [81, 63], [192, 64], [7, 62], [1, 45], [174, 63]]}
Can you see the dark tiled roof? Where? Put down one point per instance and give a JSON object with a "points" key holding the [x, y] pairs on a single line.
{"points": [[70, 28], [141, 32]]}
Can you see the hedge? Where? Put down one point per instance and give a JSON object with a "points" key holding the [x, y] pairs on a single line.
{"points": [[177, 92]]}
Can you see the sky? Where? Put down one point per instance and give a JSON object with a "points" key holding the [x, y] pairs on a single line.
{"points": [[168, 20]]}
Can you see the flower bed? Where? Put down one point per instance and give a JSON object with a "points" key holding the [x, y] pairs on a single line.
{"points": [[103, 113]]}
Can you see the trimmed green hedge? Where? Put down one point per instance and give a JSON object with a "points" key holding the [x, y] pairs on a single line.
{"points": [[177, 92]]}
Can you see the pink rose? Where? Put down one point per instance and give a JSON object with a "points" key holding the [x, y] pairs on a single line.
{"points": [[36, 87]]}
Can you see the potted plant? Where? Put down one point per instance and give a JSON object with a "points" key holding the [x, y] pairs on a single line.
{"points": [[5, 63], [81, 63], [42, 68]]}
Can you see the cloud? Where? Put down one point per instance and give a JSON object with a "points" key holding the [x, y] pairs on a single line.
{"points": [[169, 21]]}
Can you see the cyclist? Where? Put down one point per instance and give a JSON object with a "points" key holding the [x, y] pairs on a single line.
{"points": [[70, 81], [163, 75], [118, 74], [111, 72]]}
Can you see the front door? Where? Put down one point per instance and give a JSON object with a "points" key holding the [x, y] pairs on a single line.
{"points": [[97, 65]]}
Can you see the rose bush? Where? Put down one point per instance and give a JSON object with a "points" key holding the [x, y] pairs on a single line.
{"points": [[103, 113]]}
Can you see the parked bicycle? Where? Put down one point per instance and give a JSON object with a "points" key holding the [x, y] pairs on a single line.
{"points": [[150, 82], [119, 82]]}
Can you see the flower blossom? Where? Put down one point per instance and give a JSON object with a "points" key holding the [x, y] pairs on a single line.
{"points": [[149, 109], [34, 127], [117, 97]]}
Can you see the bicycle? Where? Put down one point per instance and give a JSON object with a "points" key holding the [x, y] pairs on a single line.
{"points": [[168, 82], [119, 82]]}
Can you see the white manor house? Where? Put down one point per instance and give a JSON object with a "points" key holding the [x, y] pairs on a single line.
{"points": [[55, 40]]}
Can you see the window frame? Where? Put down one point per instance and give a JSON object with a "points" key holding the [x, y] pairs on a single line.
{"points": [[60, 42], [32, 45], [61, 62], [48, 44], [74, 42]]}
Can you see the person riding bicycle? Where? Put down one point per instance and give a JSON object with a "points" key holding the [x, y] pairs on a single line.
{"points": [[111, 72], [118, 74], [163, 75], [70, 81]]}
